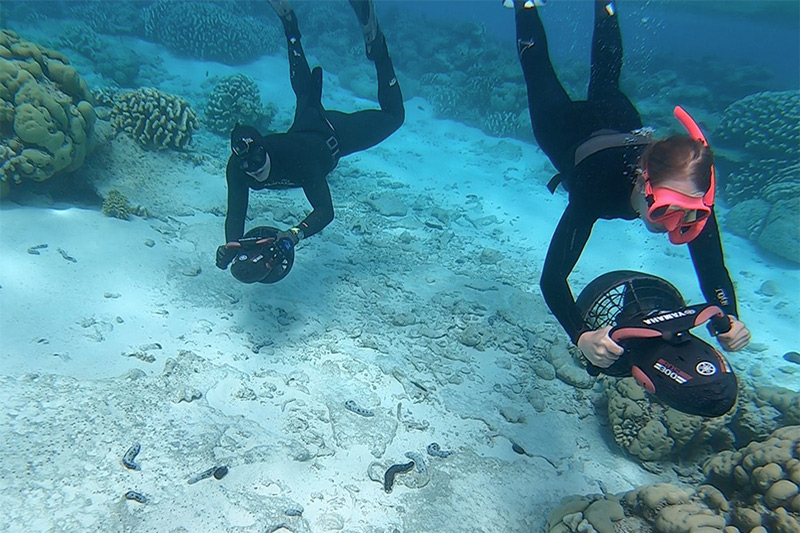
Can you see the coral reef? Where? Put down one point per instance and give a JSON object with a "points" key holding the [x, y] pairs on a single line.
{"points": [[785, 401], [206, 31], [156, 120], [763, 180], [81, 38], [761, 481], [766, 125], [507, 124], [654, 432], [751, 490], [236, 99], [117, 205], [122, 17], [113, 61], [493, 101], [46, 115]]}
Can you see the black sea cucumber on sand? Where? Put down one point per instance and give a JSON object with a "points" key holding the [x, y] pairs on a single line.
{"points": [[202, 475], [136, 497], [130, 456], [218, 472], [350, 405], [388, 478]]}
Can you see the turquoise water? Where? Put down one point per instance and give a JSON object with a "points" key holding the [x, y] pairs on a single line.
{"points": [[414, 318]]}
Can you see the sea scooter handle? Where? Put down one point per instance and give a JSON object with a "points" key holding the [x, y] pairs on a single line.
{"points": [[673, 326], [246, 242]]}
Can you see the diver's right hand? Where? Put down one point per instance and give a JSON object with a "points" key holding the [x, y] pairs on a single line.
{"points": [[226, 253], [599, 348]]}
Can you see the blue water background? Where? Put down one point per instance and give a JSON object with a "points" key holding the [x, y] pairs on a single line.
{"points": [[741, 33]]}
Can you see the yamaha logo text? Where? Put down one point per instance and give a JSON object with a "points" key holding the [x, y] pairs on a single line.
{"points": [[669, 316]]}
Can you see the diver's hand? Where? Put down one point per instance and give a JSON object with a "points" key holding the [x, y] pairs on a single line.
{"points": [[736, 338], [599, 348], [226, 253]]}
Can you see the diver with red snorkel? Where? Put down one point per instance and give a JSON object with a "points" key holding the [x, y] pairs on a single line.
{"points": [[613, 168]]}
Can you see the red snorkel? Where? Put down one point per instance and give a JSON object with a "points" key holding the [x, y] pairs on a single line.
{"points": [[695, 133], [671, 208]]}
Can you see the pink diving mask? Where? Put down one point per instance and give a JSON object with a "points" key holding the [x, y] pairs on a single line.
{"points": [[682, 215]]}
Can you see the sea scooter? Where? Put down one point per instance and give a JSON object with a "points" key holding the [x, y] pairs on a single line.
{"points": [[652, 322], [260, 258]]}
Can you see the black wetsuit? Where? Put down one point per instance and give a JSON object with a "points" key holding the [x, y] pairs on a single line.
{"points": [[311, 148], [600, 186]]}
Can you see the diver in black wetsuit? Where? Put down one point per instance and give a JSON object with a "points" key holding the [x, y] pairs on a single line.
{"points": [[614, 169], [318, 138]]}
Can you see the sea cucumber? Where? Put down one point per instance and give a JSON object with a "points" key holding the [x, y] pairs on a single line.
{"points": [[517, 448], [34, 250], [66, 256], [202, 475], [136, 497], [388, 478], [350, 405], [419, 461], [130, 456], [293, 511], [218, 472], [435, 451]]}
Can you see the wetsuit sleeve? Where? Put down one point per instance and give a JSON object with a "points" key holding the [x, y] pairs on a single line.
{"points": [[709, 264], [568, 242], [238, 198], [319, 196]]}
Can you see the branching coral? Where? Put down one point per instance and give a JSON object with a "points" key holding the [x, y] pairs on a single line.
{"points": [[156, 120], [236, 99]]}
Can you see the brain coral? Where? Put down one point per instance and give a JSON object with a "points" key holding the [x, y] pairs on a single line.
{"points": [[205, 31], [156, 120], [46, 115], [236, 99]]}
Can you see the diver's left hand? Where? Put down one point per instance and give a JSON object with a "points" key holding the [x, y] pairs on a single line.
{"points": [[736, 338]]}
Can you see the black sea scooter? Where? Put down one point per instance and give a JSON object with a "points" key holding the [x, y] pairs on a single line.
{"points": [[261, 258], [651, 320]]}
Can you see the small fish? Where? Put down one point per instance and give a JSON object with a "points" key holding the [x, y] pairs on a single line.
{"points": [[206, 74]]}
